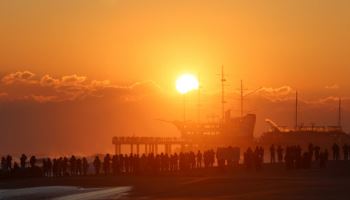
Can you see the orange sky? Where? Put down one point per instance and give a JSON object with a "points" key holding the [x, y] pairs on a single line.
{"points": [[300, 44], [283, 42]]}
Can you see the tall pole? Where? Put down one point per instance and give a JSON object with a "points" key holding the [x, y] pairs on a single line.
{"points": [[339, 113], [296, 110], [184, 106], [222, 93], [241, 99], [198, 100]]}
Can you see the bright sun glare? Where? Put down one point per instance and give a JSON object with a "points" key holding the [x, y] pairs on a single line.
{"points": [[186, 83]]}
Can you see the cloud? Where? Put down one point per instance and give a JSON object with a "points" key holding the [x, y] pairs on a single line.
{"points": [[332, 87], [3, 94], [44, 99], [69, 88], [48, 81], [19, 77], [326, 100], [276, 94]]}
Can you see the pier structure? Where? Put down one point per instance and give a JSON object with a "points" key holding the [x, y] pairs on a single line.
{"points": [[150, 144]]}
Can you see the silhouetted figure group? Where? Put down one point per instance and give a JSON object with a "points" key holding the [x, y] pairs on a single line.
{"points": [[65, 166], [47, 167], [152, 164], [254, 159], [295, 158]]}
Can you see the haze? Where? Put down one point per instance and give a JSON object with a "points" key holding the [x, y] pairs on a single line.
{"points": [[76, 73]]}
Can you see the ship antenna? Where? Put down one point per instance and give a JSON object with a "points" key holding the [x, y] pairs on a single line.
{"points": [[198, 99], [296, 110], [241, 99], [339, 113], [222, 93]]}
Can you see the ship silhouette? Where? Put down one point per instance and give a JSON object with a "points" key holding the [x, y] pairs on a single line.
{"points": [[232, 131], [325, 135]]}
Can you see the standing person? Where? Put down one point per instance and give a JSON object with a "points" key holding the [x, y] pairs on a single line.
{"points": [[199, 159], [335, 149], [63, 165], [272, 154], [23, 161], [115, 164], [261, 154], [73, 165], [9, 162], [49, 166], [258, 158], [346, 151], [97, 165], [79, 167], [317, 153], [311, 150], [85, 166], [32, 161], [3, 163], [106, 164], [280, 153]]}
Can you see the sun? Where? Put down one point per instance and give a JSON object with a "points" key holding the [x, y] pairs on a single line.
{"points": [[186, 83]]}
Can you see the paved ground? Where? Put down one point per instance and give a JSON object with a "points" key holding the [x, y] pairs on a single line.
{"points": [[274, 182]]}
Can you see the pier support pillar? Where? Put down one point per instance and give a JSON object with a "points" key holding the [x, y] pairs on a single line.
{"points": [[116, 149]]}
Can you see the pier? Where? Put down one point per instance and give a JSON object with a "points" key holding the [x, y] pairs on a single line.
{"points": [[150, 144]]}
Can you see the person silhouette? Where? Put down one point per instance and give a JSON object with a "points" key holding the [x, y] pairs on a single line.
{"points": [[9, 162], [280, 153], [272, 153], [23, 161], [346, 151], [73, 165], [85, 166], [311, 150], [3, 164], [317, 153], [335, 149], [15, 167], [79, 167], [106, 164], [199, 159], [49, 167], [32, 161], [97, 165]]}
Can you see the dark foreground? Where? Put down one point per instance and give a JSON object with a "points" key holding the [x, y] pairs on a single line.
{"points": [[273, 182]]}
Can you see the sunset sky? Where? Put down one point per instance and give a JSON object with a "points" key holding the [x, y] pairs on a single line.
{"points": [[75, 73]]}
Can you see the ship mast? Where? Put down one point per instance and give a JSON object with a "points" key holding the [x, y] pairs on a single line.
{"points": [[296, 110], [241, 99], [222, 93], [339, 113], [198, 100]]}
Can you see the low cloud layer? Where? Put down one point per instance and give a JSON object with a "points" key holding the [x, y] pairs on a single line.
{"points": [[25, 85]]}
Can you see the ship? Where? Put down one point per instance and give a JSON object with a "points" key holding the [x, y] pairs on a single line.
{"points": [[232, 131], [324, 135]]}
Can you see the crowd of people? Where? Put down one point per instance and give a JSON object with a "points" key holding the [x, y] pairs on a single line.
{"points": [[153, 163], [293, 157], [118, 164]]}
